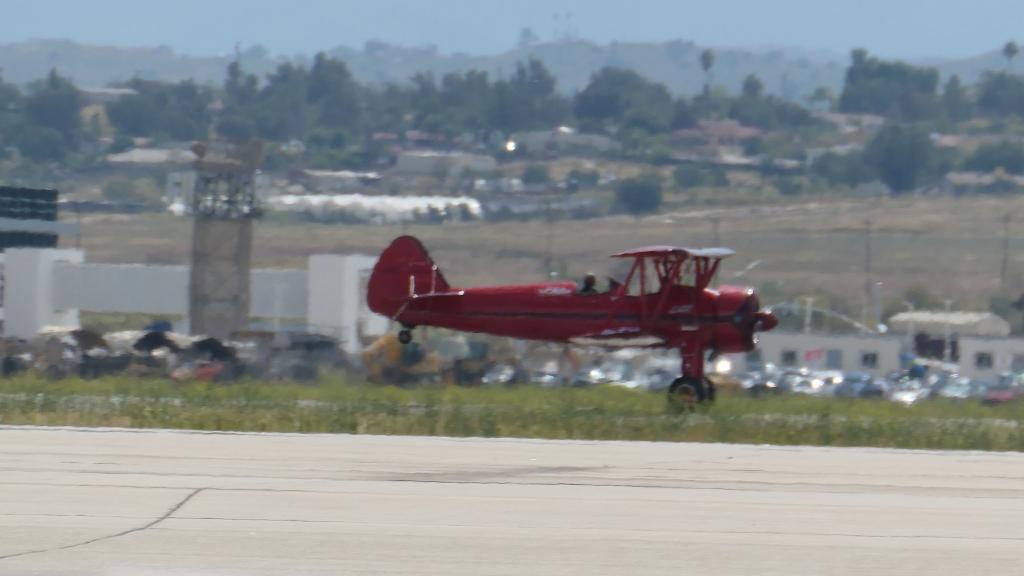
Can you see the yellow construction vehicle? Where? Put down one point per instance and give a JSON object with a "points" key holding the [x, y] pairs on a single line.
{"points": [[388, 361]]}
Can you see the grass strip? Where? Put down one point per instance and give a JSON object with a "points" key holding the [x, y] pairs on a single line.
{"points": [[339, 405]]}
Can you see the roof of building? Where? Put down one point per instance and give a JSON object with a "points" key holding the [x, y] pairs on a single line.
{"points": [[963, 323], [442, 154], [152, 156], [342, 174], [982, 179], [109, 91], [720, 130]]}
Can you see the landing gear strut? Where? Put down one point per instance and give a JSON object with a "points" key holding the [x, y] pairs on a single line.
{"points": [[405, 336]]}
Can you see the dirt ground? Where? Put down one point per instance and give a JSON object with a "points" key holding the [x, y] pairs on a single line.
{"points": [[951, 246]]}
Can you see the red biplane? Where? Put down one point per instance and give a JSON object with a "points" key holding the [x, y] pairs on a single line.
{"points": [[665, 301]]}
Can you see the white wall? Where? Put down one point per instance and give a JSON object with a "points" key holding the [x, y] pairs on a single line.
{"points": [[1006, 354], [337, 299], [278, 293], [121, 288], [29, 299], [46, 287], [325, 307], [430, 163], [164, 289], [812, 350]]}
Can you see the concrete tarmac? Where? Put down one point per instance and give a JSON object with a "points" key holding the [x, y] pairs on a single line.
{"points": [[120, 503]]}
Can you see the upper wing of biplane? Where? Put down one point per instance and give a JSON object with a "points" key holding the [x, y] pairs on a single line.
{"points": [[668, 262], [663, 251]]}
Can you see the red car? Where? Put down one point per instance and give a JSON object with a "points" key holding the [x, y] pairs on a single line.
{"points": [[1007, 389]]}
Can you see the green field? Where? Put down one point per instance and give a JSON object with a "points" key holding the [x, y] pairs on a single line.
{"points": [[335, 405]]}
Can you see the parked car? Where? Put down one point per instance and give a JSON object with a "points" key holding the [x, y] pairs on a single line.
{"points": [[830, 378], [789, 378], [503, 375], [1007, 388], [909, 391], [758, 383], [617, 372], [655, 379], [803, 381], [860, 385], [591, 376], [960, 388], [545, 379]]}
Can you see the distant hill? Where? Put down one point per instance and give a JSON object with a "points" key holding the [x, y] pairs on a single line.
{"points": [[97, 66], [786, 72], [676, 64]]}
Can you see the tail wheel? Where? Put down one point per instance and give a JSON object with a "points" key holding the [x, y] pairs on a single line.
{"points": [[405, 336], [686, 393]]}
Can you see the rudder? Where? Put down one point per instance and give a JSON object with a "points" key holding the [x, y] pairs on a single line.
{"points": [[404, 268]]}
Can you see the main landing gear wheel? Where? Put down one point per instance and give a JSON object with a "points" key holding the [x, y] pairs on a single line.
{"points": [[405, 336], [686, 393]]}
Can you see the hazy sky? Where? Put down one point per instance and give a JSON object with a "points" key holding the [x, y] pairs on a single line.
{"points": [[897, 28]]}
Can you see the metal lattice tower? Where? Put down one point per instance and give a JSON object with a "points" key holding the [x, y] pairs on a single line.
{"points": [[224, 205]]}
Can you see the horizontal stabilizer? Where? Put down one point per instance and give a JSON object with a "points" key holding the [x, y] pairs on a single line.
{"points": [[438, 295]]}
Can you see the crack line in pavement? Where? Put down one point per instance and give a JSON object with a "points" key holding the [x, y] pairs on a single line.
{"points": [[641, 530], [147, 526], [439, 478], [745, 486]]}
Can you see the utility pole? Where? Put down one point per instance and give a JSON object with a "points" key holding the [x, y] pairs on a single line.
{"points": [[911, 334], [548, 261], [947, 347], [1005, 265], [808, 312], [868, 283], [877, 309], [716, 240]]}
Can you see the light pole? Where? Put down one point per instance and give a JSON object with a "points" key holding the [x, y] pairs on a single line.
{"points": [[876, 304], [911, 343], [1005, 265], [808, 312], [868, 284], [946, 347], [549, 271]]}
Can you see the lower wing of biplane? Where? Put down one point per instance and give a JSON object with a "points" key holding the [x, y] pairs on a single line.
{"points": [[626, 337]]}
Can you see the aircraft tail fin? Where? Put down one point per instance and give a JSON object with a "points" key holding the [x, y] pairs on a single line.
{"points": [[404, 269]]}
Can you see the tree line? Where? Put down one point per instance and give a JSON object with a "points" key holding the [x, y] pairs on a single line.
{"points": [[336, 117], [326, 108]]}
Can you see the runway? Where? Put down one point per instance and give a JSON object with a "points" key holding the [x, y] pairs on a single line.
{"points": [[118, 502]]}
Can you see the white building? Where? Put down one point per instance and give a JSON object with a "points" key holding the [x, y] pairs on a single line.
{"points": [[103, 96], [874, 354], [339, 180], [434, 163], [48, 287], [961, 323], [147, 157], [981, 357], [562, 139], [985, 358]]}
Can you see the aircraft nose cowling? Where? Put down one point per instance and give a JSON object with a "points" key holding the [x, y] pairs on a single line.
{"points": [[766, 320], [743, 309]]}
